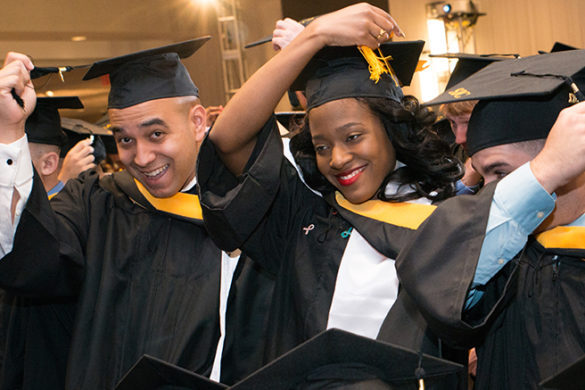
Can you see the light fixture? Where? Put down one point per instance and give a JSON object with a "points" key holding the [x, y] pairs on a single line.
{"points": [[50, 93], [203, 2], [79, 38]]}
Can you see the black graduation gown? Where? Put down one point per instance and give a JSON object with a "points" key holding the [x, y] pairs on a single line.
{"points": [[528, 324], [301, 237], [146, 281], [38, 334]]}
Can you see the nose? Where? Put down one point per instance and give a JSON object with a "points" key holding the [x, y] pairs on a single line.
{"points": [[340, 156], [144, 154], [461, 134]]}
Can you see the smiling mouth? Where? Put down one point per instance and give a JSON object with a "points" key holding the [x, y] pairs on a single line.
{"points": [[156, 172], [348, 178]]}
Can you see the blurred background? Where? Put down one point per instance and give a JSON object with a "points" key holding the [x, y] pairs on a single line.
{"points": [[62, 32]]}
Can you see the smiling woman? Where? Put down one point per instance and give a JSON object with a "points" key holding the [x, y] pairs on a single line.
{"points": [[337, 266]]}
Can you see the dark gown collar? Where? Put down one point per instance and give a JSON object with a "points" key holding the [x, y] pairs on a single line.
{"points": [[184, 205], [385, 225]]}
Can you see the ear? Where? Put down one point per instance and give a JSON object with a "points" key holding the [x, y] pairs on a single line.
{"points": [[198, 116], [49, 163]]}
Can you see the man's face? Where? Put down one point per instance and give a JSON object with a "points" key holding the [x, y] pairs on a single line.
{"points": [[158, 141], [459, 125], [497, 161]]}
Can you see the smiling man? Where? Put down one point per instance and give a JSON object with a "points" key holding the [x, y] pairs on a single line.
{"points": [[503, 270], [131, 245]]}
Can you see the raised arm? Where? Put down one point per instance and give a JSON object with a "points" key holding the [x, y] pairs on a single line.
{"points": [[234, 133], [15, 76], [17, 101]]}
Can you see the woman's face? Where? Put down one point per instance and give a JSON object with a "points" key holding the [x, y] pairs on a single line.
{"points": [[352, 148]]}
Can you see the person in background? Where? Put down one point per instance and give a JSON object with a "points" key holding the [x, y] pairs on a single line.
{"points": [[131, 246], [503, 270]]}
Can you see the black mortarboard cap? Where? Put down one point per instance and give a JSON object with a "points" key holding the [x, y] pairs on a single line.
{"points": [[499, 122], [538, 75], [286, 118], [78, 129], [467, 65], [150, 373], [38, 72], [341, 359], [558, 46], [43, 126], [149, 74], [570, 378], [342, 72]]}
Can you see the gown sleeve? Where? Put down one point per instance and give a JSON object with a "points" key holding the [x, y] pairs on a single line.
{"points": [[256, 211], [48, 256], [438, 266]]}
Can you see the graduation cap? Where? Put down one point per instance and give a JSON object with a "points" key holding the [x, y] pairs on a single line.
{"points": [[149, 74], [286, 117], [43, 126], [559, 46], [533, 76], [467, 65], [38, 72], [150, 373], [520, 99], [342, 72], [570, 378], [78, 129], [338, 358]]}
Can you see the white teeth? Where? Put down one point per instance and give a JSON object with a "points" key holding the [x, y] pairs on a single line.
{"points": [[352, 174], [156, 172]]}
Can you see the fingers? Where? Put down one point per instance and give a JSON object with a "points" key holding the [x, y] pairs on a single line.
{"points": [[81, 153], [387, 22], [13, 56], [284, 32], [563, 157], [86, 163], [14, 75]]}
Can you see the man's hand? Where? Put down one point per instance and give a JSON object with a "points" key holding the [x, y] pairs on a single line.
{"points": [[212, 114], [470, 177], [285, 31], [563, 157], [77, 160], [15, 76]]}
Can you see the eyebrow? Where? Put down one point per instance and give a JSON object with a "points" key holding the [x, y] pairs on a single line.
{"points": [[148, 123], [495, 165], [341, 128], [152, 122]]}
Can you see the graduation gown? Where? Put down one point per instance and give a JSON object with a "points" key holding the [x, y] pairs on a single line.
{"points": [[147, 281], [38, 334], [301, 237], [528, 324]]}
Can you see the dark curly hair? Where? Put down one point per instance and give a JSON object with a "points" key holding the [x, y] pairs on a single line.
{"points": [[431, 170]]}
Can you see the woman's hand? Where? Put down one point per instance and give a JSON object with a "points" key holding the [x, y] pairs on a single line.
{"points": [[357, 25]]}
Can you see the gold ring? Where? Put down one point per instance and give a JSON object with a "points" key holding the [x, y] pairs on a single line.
{"points": [[383, 33]]}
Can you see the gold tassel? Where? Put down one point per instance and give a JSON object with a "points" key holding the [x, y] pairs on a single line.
{"points": [[378, 64]]}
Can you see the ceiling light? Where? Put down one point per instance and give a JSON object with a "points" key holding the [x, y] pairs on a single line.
{"points": [[79, 38]]}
